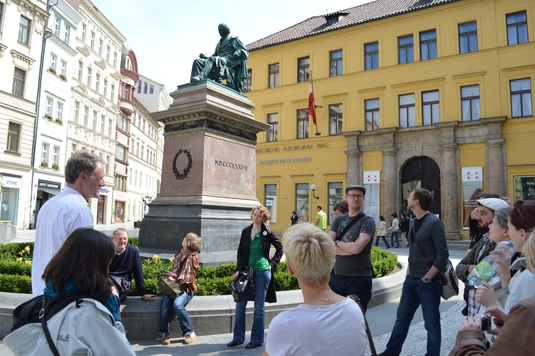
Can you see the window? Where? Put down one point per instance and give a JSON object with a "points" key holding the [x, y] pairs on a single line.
{"points": [[122, 123], [100, 44], [92, 43], [57, 25], [301, 200], [127, 92], [430, 107], [1, 19], [468, 37], [53, 61], [336, 63], [89, 73], [76, 111], [270, 202], [63, 67], [406, 49], [112, 96], [94, 123], [84, 29], [48, 106], [80, 70], [137, 149], [19, 77], [24, 31], [335, 119], [120, 185], [407, 117], [145, 87], [248, 81], [110, 124], [524, 188], [13, 137], [55, 155], [105, 91], [302, 123], [521, 103], [273, 76], [517, 28], [97, 82], [86, 116], [121, 152], [139, 84], [107, 53], [151, 89], [102, 123], [303, 70], [470, 103], [273, 131], [59, 110], [114, 59], [372, 114], [428, 45], [335, 195], [66, 34], [371, 55], [45, 147]]}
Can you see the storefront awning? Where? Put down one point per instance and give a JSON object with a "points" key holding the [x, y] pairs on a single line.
{"points": [[50, 191]]}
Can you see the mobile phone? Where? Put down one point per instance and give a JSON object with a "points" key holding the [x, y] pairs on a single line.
{"points": [[486, 322]]}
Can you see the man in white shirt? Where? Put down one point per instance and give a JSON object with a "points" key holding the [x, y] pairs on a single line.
{"points": [[66, 212]]}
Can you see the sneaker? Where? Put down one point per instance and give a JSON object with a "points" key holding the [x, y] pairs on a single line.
{"points": [[165, 340], [190, 338]]}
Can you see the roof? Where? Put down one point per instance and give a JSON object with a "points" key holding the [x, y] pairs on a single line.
{"points": [[371, 11]]}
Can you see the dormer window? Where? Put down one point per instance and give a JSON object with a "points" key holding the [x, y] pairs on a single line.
{"points": [[335, 17]]}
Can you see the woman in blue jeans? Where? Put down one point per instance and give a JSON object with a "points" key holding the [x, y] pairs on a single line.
{"points": [[394, 230], [185, 266], [381, 232], [253, 252]]}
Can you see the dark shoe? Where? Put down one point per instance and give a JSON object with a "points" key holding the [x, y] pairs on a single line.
{"points": [[234, 343], [252, 345]]}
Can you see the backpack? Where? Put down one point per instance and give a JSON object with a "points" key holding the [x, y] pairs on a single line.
{"points": [[32, 310]]}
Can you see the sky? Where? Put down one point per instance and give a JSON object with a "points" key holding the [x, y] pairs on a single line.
{"points": [[167, 35]]}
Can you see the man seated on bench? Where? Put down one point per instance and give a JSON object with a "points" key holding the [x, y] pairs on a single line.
{"points": [[125, 263]]}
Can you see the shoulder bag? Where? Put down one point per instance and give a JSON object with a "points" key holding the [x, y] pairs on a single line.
{"points": [[241, 284], [447, 277], [171, 287]]}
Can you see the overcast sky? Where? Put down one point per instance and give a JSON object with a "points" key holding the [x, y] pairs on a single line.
{"points": [[166, 35]]}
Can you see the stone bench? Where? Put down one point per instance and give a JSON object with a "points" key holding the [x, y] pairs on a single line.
{"points": [[210, 315]]}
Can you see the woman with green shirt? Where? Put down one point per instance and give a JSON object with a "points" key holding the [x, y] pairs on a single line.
{"points": [[253, 252]]}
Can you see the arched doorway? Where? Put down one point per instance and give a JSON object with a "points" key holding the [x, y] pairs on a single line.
{"points": [[421, 172]]}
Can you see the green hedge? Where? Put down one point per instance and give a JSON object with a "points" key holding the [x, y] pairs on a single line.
{"points": [[15, 270]]}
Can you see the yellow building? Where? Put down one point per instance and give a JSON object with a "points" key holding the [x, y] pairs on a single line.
{"points": [[437, 95]]}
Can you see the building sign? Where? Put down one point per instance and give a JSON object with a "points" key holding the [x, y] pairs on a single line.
{"points": [[121, 196], [285, 160], [230, 165], [472, 180], [372, 183], [11, 182], [292, 148], [48, 184]]}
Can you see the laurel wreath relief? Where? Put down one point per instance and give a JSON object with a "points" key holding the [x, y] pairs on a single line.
{"points": [[185, 172]]}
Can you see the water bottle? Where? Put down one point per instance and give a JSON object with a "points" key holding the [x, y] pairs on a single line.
{"points": [[487, 268]]}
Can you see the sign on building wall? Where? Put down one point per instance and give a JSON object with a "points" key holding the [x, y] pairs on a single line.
{"points": [[372, 202], [472, 180]]}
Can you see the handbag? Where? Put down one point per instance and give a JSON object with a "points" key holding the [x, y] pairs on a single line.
{"points": [[447, 278], [122, 286], [171, 287], [241, 284]]}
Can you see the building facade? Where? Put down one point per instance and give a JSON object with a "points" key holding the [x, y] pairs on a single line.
{"points": [[407, 95], [22, 29], [55, 98]]}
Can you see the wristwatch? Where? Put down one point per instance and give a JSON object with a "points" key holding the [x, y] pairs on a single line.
{"points": [[427, 280], [336, 243]]}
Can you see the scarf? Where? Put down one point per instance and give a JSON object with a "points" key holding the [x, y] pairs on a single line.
{"points": [[185, 266], [113, 303]]}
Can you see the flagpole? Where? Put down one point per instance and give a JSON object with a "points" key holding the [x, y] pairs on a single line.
{"points": [[314, 103]]}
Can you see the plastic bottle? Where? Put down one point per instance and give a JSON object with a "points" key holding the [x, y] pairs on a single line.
{"points": [[487, 268]]}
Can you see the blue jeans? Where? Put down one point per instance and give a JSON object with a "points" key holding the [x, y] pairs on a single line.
{"points": [[345, 286], [396, 235], [261, 284], [414, 293], [384, 239], [179, 307]]}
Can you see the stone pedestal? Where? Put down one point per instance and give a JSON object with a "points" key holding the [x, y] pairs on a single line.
{"points": [[209, 170]]}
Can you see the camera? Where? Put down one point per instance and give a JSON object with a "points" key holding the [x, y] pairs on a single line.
{"points": [[486, 322]]}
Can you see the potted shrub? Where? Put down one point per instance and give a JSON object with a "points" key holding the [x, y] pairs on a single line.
{"points": [[62, 76], [59, 121], [44, 164], [49, 117], [52, 70], [55, 166]]}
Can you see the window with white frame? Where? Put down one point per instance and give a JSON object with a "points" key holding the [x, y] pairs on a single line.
{"points": [[114, 59], [48, 106], [430, 107], [470, 103], [92, 41], [24, 31], [76, 112], [407, 111], [273, 130], [120, 153], [100, 44], [13, 137], [302, 123], [97, 82], [19, 78], [105, 89], [55, 155], [53, 61], [521, 101], [84, 30], [122, 123], [59, 110], [66, 35], [112, 94], [102, 123], [151, 89], [372, 114], [108, 54], [63, 67], [94, 123], [45, 148], [86, 116], [335, 119], [517, 28], [110, 124], [80, 70]]}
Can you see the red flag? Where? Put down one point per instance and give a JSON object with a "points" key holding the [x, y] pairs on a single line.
{"points": [[311, 104]]}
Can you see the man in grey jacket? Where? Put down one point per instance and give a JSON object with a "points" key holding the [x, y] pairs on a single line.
{"points": [[421, 286]]}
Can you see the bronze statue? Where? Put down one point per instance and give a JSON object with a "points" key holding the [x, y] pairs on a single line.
{"points": [[228, 62]]}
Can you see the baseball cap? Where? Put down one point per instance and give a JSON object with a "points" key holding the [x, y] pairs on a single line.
{"points": [[356, 186]]}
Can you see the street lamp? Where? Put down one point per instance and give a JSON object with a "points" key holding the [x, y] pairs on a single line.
{"points": [[313, 187]]}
